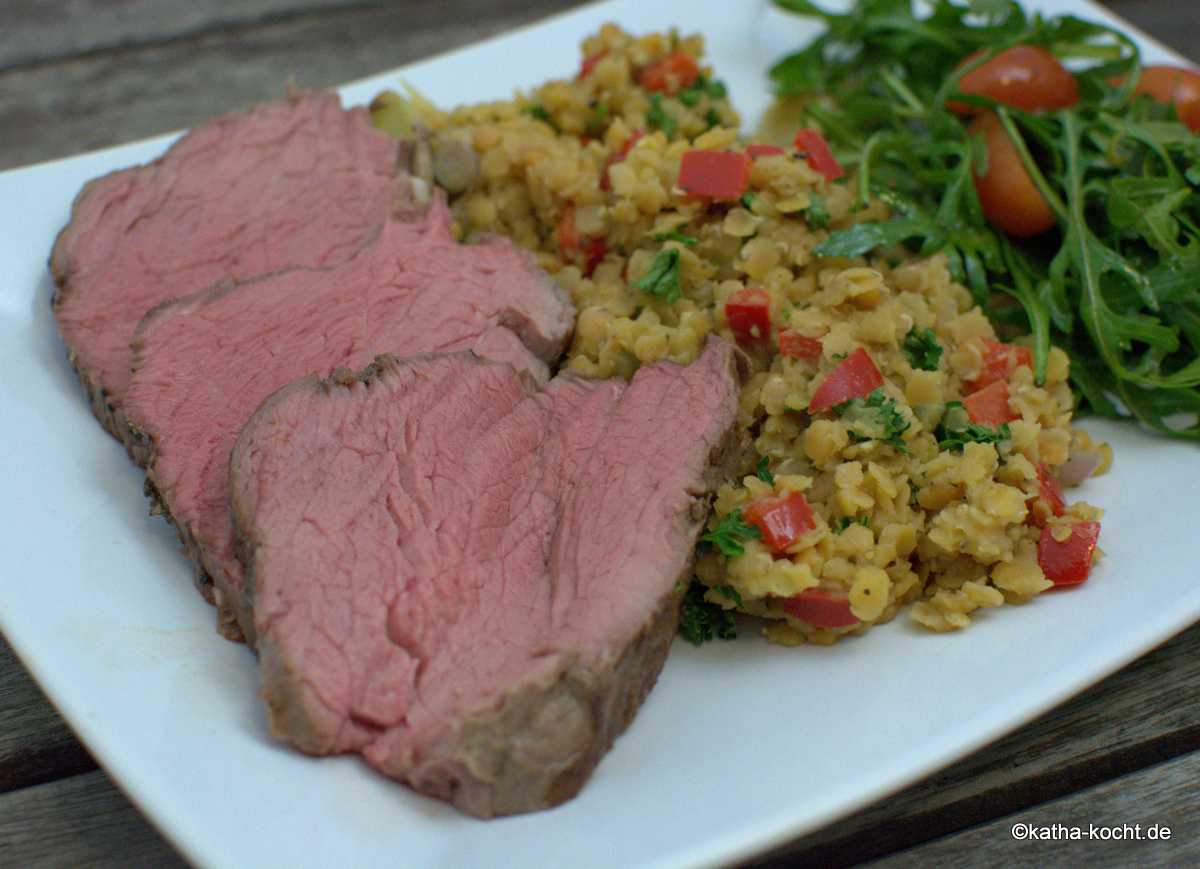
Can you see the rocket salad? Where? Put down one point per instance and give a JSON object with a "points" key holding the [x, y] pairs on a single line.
{"points": [[1069, 206]]}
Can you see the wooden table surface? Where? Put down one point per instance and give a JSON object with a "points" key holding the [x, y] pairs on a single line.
{"points": [[79, 75]]}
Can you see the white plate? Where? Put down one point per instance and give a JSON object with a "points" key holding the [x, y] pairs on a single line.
{"points": [[739, 747]]}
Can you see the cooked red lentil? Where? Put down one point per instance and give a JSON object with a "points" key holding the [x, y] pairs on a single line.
{"points": [[903, 456]]}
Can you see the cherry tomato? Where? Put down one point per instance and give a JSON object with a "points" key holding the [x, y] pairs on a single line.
{"points": [[781, 519], [1025, 76], [856, 376], [1173, 85], [820, 608], [1007, 194], [1068, 561]]}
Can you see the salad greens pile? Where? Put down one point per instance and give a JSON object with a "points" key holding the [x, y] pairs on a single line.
{"points": [[1116, 283]]}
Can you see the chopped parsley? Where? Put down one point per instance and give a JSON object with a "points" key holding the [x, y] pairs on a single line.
{"points": [[703, 86], [728, 535], [841, 523], [818, 214], [700, 620], [676, 235], [662, 279], [539, 112], [763, 472], [874, 418], [922, 349], [657, 116], [956, 429]]}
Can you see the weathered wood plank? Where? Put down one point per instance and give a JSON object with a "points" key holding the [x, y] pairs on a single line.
{"points": [[79, 822], [35, 745], [1116, 822], [95, 100]]}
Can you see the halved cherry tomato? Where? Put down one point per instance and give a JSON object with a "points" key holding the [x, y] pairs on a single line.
{"points": [[1000, 360], [1025, 76], [820, 608], [1175, 86], [1069, 561], [816, 152], [670, 74], [796, 346], [856, 376], [1050, 489], [1007, 194], [716, 174], [748, 313], [989, 406], [781, 518]]}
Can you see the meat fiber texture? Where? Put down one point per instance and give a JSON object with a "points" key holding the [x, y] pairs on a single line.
{"points": [[202, 364], [470, 580], [298, 182]]}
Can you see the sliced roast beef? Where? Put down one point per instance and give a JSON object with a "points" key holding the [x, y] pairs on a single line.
{"points": [[204, 362], [299, 182], [470, 580]]}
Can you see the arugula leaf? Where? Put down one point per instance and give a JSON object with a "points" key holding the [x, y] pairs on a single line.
{"points": [[662, 279], [727, 535]]}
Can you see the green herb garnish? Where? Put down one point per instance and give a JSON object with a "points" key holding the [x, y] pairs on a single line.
{"points": [[657, 116], [700, 620], [662, 278], [729, 534], [763, 472], [841, 523], [874, 418], [956, 429], [922, 349]]}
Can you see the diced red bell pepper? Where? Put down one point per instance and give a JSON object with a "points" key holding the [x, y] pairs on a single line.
{"points": [[715, 174], [670, 74], [1069, 561], [989, 406], [589, 64], [1050, 489], [619, 156], [585, 252], [816, 152], [754, 150], [796, 346], [1000, 360], [820, 608], [856, 376], [781, 519], [748, 313]]}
